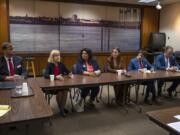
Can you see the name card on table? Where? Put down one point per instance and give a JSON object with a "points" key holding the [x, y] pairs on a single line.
{"points": [[4, 109], [177, 117], [24, 91], [175, 126]]}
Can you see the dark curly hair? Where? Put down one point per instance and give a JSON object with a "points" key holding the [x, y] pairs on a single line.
{"points": [[88, 51]]}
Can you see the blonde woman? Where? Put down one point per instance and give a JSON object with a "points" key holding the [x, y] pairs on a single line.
{"points": [[57, 68]]}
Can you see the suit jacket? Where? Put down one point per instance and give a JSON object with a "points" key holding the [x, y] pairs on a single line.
{"points": [[160, 63], [18, 67], [81, 66], [110, 67], [50, 69], [134, 64]]}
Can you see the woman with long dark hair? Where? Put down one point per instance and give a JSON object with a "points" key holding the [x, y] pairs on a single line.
{"points": [[114, 63], [86, 65]]}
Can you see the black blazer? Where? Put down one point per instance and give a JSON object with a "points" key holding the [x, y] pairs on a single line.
{"points": [[18, 67], [50, 69]]}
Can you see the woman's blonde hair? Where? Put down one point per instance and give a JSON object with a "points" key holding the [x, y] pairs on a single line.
{"points": [[51, 59]]}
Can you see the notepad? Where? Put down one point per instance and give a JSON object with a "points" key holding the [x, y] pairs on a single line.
{"points": [[4, 109], [177, 117], [7, 85], [178, 70], [175, 126]]}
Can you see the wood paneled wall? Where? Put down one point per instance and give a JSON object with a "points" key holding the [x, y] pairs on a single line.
{"points": [[150, 23], [70, 59], [4, 25]]}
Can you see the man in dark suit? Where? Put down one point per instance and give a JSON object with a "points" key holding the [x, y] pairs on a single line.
{"points": [[10, 65], [166, 61]]}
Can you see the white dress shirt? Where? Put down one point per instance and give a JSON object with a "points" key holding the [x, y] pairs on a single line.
{"points": [[167, 62]]}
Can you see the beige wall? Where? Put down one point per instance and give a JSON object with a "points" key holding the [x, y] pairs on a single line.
{"points": [[170, 24]]}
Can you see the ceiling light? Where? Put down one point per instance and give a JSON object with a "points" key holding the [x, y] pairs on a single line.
{"points": [[158, 6], [146, 1]]}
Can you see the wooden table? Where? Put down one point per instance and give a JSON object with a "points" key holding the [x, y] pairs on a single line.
{"points": [[83, 81], [165, 116], [25, 109], [103, 79]]}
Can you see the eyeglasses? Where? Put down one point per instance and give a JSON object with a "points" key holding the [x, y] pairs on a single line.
{"points": [[10, 49]]}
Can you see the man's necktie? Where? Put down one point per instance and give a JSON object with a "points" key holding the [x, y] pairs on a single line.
{"points": [[11, 68], [141, 64]]}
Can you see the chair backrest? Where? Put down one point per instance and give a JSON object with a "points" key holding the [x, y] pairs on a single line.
{"points": [[104, 69], [157, 41], [177, 54], [74, 69], [43, 71]]}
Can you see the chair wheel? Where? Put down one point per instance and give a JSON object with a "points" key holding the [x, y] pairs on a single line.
{"points": [[127, 111], [140, 110], [113, 100], [97, 100], [73, 110]]}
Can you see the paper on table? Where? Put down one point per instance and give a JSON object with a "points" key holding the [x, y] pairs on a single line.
{"points": [[177, 117], [4, 109], [178, 70], [175, 125]]}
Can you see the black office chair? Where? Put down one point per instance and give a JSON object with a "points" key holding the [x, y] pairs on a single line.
{"points": [[128, 99], [177, 56], [77, 90], [49, 94], [104, 70], [114, 98]]}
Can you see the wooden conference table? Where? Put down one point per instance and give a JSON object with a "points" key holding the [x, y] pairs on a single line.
{"points": [[104, 79], [25, 109], [165, 116]]}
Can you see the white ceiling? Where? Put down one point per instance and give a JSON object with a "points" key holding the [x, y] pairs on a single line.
{"points": [[136, 1]]}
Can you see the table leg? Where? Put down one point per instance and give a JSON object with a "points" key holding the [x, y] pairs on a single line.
{"points": [[49, 98], [45, 96], [108, 95], [137, 93], [172, 133], [72, 105], [136, 102], [50, 122], [27, 129], [100, 95]]}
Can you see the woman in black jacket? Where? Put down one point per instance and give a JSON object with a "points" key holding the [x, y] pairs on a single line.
{"points": [[57, 68]]}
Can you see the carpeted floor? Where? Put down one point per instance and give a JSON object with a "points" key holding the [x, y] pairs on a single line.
{"points": [[105, 120]]}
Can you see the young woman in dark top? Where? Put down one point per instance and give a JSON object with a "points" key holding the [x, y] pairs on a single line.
{"points": [[114, 63], [86, 65], [57, 68]]}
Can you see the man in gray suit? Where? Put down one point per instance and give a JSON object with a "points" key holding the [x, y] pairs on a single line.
{"points": [[10, 65]]}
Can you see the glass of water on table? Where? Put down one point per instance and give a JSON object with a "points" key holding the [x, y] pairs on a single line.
{"points": [[18, 82]]}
